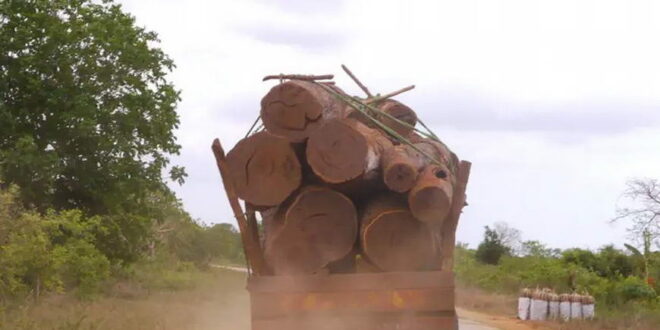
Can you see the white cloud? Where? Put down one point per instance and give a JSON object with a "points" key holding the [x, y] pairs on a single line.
{"points": [[553, 101]]}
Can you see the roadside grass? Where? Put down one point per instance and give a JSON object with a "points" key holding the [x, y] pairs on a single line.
{"points": [[630, 316], [155, 298]]}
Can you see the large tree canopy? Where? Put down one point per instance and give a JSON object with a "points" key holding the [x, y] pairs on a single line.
{"points": [[86, 111]]}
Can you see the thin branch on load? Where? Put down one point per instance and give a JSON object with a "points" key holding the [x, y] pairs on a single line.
{"points": [[350, 102], [299, 77], [428, 134], [429, 130], [252, 127], [388, 95], [357, 81]]}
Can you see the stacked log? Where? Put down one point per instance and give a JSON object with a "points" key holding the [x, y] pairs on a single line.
{"points": [[339, 188]]}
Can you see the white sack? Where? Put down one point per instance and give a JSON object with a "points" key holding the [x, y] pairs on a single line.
{"points": [[565, 310], [576, 310], [554, 310], [588, 311], [538, 310], [523, 307]]}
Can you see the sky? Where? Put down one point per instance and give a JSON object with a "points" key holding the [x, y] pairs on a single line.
{"points": [[556, 103]]}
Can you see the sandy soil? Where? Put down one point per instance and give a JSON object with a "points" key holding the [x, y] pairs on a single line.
{"points": [[220, 303], [487, 321]]}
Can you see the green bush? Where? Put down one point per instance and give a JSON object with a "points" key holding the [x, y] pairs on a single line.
{"points": [[633, 288], [50, 252], [575, 270], [492, 249]]}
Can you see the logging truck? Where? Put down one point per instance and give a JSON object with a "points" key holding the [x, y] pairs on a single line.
{"points": [[359, 209]]}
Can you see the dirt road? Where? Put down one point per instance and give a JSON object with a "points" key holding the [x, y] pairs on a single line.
{"points": [[468, 320], [219, 303]]}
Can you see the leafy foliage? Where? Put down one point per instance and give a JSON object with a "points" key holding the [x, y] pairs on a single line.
{"points": [[60, 251], [492, 248], [86, 114], [47, 252], [601, 273], [537, 249]]}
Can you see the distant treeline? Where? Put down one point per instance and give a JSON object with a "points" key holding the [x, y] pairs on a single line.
{"points": [[619, 279], [58, 251]]}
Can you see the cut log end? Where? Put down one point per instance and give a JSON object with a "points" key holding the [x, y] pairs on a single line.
{"points": [[395, 241], [400, 177], [295, 109], [430, 198], [337, 152], [319, 227], [325, 217], [264, 168], [401, 165]]}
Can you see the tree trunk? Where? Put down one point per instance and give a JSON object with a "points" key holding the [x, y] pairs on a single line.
{"points": [[392, 239], [430, 198], [315, 227], [295, 109], [399, 111], [401, 165], [264, 169], [343, 150]]}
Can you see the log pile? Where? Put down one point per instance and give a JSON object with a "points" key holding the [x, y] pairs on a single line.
{"points": [[344, 183]]}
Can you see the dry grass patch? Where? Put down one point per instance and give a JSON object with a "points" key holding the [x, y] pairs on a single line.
{"points": [[218, 302]]}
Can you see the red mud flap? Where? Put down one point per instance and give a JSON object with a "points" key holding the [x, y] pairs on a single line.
{"points": [[378, 301]]}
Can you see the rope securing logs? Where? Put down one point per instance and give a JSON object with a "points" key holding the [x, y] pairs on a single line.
{"points": [[338, 178]]}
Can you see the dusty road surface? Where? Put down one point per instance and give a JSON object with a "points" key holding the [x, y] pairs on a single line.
{"points": [[468, 320], [220, 302]]}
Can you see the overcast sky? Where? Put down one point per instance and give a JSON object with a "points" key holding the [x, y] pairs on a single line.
{"points": [[554, 102]]}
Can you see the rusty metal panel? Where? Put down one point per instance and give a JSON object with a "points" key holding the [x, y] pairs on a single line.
{"points": [[448, 322], [396, 300], [352, 282], [281, 304]]}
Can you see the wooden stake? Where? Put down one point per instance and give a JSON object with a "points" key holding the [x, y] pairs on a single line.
{"points": [[253, 253], [450, 224], [388, 95], [299, 77], [357, 81]]}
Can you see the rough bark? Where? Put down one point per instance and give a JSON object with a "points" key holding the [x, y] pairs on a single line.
{"points": [[439, 150], [392, 239], [399, 111], [264, 168], [295, 109], [430, 198], [342, 150], [315, 227], [401, 165]]}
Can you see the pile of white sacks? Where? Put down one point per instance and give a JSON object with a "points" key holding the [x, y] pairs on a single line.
{"points": [[545, 304]]}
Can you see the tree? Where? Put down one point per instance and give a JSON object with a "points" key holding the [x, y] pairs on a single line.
{"points": [[537, 249], [644, 214], [86, 112], [491, 250], [509, 236], [643, 210], [644, 256], [581, 257], [614, 262]]}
